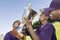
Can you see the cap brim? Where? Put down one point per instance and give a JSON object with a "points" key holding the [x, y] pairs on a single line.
{"points": [[49, 9]]}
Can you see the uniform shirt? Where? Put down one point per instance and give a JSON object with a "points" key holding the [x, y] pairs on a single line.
{"points": [[10, 36], [47, 32]]}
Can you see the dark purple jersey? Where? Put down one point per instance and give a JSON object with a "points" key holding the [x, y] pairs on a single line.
{"points": [[47, 32], [10, 36]]}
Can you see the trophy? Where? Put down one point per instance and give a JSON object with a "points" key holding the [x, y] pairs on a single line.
{"points": [[29, 13]]}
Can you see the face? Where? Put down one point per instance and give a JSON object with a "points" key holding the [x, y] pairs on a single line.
{"points": [[55, 15], [43, 17], [16, 25]]}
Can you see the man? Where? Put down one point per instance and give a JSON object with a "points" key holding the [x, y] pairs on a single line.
{"points": [[44, 32], [53, 12], [14, 35]]}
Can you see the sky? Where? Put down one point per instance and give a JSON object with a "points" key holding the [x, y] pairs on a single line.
{"points": [[11, 10]]}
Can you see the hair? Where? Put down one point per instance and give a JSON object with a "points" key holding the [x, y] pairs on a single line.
{"points": [[17, 21]]}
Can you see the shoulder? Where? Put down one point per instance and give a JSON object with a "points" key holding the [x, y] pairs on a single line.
{"points": [[50, 26], [8, 34]]}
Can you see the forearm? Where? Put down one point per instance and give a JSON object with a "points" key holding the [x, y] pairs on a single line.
{"points": [[33, 34], [30, 29]]}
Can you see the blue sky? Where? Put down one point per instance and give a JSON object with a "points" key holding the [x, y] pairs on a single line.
{"points": [[11, 10]]}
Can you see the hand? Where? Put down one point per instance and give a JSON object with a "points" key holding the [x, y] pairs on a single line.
{"points": [[15, 33], [27, 22], [20, 35]]}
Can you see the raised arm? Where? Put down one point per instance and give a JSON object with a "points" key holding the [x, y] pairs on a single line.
{"points": [[30, 30]]}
